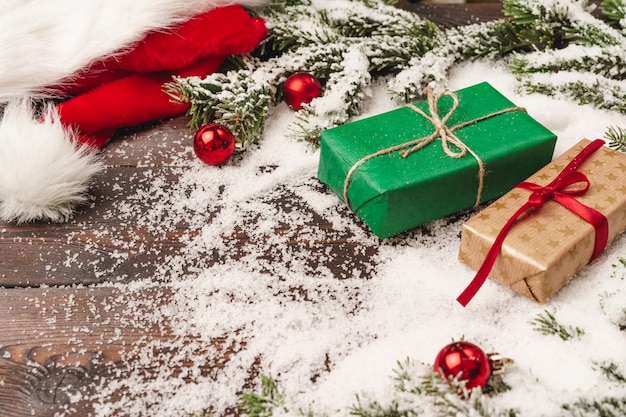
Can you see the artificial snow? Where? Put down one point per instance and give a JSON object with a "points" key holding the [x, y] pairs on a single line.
{"points": [[328, 326]]}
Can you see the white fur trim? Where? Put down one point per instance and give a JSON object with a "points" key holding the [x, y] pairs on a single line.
{"points": [[43, 173], [43, 42]]}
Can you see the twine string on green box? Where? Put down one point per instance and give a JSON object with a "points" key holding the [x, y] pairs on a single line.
{"points": [[442, 131]]}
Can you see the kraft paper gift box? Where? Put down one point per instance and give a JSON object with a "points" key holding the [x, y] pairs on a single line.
{"points": [[546, 246], [392, 193]]}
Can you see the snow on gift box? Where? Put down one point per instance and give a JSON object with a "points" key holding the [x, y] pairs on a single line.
{"points": [[388, 171], [551, 225]]}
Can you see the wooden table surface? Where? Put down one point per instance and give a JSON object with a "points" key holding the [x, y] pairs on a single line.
{"points": [[61, 334]]}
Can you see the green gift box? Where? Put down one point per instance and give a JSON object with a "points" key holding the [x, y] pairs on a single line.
{"points": [[392, 193]]}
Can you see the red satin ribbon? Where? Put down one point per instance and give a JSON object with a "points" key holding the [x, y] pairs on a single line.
{"points": [[558, 190]]}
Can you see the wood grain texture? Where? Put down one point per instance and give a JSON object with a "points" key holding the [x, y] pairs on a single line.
{"points": [[55, 344], [71, 324], [62, 345], [451, 15], [59, 344], [103, 242]]}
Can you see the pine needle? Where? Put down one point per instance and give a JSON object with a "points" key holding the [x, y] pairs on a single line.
{"points": [[265, 403], [546, 323], [617, 138]]}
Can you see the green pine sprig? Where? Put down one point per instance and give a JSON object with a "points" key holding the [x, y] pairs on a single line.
{"points": [[547, 324], [264, 403], [427, 393], [554, 24], [618, 269], [605, 407], [417, 393], [615, 11], [617, 138], [235, 99], [598, 91], [608, 62], [612, 372]]}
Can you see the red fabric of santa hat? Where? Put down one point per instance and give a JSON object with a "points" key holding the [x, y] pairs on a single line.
{"points": [[47, 161]]}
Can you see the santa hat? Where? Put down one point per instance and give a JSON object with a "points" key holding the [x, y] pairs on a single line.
{"points": [[109, 59]]}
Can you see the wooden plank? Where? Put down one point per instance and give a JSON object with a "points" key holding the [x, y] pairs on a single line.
{"points": [[60, 346], [108, 242], [58, 343], [451, 15], [55, 342], [103, 242]]}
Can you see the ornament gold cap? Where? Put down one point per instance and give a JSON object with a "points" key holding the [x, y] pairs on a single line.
{"points": [[498, 363]]}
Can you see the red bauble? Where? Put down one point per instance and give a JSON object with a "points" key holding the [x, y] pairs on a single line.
{"points": [[301, 88], [466, 359], [214, 144]]}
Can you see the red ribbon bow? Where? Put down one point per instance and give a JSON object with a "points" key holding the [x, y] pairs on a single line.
{"points": [[560, 191]]}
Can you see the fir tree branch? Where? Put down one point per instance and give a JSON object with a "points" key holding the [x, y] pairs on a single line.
{"points": [[609, 62], [555, 24], [486, 40], [617, 138], [265, 403], [294, 26], [236, 99], [429, 394], [612, 372], [589, 88], [489, 39], [370, 19], [546, 323], [615, 11], [430, 70], [418, 391], [451, 399], [534, 25], [343, 87], [404, 377], [606, 407]]}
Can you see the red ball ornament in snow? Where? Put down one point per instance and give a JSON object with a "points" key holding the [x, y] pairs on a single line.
{"points": [[214, 144], [465, 360], [301, 88]]}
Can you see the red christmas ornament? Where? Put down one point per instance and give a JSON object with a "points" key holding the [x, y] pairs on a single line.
{"points": [[214, 144], [465, 360], [301, 88]]}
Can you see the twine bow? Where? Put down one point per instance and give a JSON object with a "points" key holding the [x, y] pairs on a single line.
{"points": [[559, 190], [442, 131]]}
